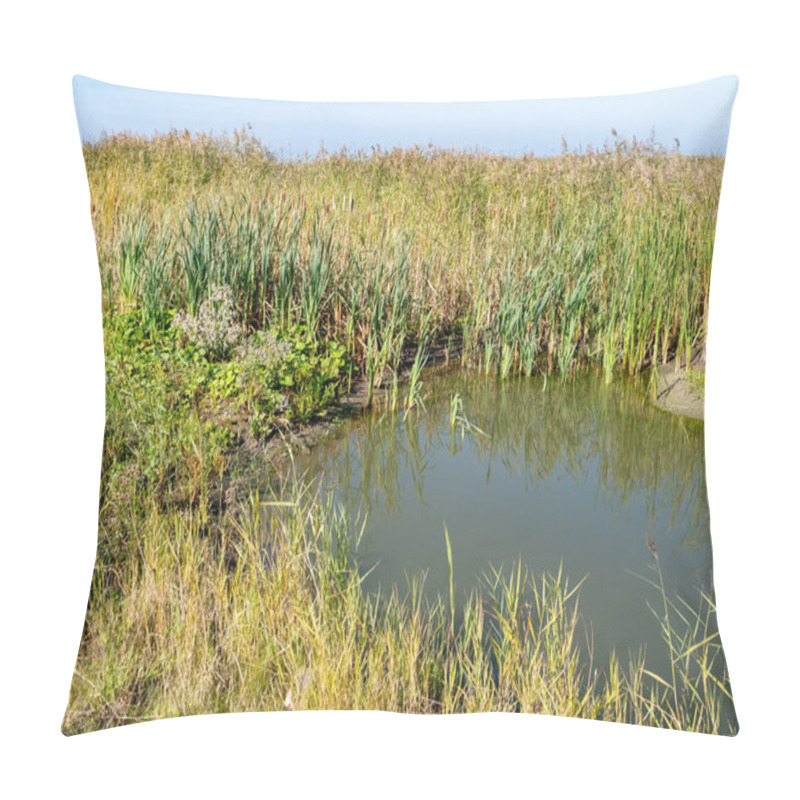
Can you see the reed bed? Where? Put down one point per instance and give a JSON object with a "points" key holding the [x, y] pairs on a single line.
{"points": [[602, 256]]}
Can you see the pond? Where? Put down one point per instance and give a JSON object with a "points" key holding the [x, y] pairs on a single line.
{"points": [[569, 473]]}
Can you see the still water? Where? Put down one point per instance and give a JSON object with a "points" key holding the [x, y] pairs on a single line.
{"points": [[550, 472]]}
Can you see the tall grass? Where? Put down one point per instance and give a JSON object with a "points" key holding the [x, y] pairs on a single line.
{"points": [[414, 394], [264, 610], [603, 256]]}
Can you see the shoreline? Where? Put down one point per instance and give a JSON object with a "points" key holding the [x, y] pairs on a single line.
{"points": [[680, 391], [252, 454]]}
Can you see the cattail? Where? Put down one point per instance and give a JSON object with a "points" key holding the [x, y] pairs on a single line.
{"points": [[651, 546]]}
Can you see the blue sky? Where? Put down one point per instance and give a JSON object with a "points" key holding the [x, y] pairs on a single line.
{"points": [[698, 115]]}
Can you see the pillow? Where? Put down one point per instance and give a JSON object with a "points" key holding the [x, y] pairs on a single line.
{"points": [[404, 407]]}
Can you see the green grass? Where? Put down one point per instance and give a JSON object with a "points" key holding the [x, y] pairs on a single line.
{"points": [[697, 379]]}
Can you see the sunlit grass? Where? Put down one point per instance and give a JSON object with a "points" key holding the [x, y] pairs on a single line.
{"points": [[600, 256], [264, 610]]}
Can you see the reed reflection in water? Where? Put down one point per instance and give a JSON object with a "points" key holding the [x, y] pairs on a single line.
{"points": [[571, 472]]}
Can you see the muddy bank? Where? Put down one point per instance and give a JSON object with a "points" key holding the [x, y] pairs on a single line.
{"points": [[356, 400], [681, 390], [255, 461]]}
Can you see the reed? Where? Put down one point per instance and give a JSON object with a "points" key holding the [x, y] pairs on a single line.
{"points": [[413, 397], [536, 263], [133, 243]]}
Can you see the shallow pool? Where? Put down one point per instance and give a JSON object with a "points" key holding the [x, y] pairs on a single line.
{"points": [[572, 473]]}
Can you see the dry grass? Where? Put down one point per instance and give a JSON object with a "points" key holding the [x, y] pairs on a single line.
{"points": [[263, 611]]}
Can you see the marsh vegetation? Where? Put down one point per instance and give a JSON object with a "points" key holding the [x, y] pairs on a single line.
{"points": [[243, 296]]}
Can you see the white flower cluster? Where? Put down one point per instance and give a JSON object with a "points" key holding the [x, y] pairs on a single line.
{"points": [[216, 326]]}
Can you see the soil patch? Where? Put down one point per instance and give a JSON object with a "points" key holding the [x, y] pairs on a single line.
{"points": [[680, 390]]}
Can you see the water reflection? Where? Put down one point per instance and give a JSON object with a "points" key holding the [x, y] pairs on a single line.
{"points": [[572, 472]]}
